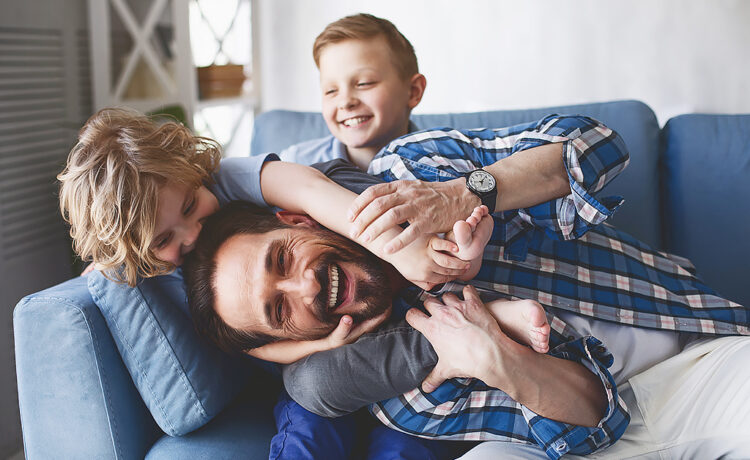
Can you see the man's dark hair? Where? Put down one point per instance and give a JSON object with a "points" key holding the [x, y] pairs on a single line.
{"points": [[199, 270]]}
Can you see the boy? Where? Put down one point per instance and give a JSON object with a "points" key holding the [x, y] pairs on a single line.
{"points": [[369, 82]]}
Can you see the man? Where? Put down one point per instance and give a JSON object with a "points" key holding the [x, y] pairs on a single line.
{"points": [[524, 253]]}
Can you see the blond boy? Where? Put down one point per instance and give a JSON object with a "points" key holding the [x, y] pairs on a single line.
{"points": [[370, 82]]}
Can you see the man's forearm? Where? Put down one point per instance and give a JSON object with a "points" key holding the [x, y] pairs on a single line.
{"points": [[524, 179], [552, 387]]}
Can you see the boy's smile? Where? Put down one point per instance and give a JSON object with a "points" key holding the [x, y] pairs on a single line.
{"points": [[366, 103]]}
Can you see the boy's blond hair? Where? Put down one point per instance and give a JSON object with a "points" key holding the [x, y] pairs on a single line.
{"points": [[366, 26], [109, 187]]}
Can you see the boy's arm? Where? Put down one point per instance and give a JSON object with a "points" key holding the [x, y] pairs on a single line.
{"points": [[303, 189]]}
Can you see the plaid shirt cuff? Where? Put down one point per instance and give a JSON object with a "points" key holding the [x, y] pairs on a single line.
{"points": [[593, 155], [558, 438]]}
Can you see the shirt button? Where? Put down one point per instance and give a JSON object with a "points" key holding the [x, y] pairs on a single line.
{"points": [[561, 446]]}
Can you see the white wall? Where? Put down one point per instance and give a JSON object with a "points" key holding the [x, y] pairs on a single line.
{"points": [[678, 56]]}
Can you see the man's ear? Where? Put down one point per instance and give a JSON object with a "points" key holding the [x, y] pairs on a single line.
{"points": [[294, 219], [417, 85]]}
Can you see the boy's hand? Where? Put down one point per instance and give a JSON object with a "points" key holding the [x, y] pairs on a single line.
{"points": [[289, 351], [424, 264], [429, 207]]}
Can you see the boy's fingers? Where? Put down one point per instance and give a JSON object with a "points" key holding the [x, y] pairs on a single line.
{"points": [[454, 265], [366, 197], [441, 244], [342, 329]]}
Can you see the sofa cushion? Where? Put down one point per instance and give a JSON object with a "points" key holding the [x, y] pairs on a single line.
{"points": [[184, 380], [633, 120], [706, 170]]}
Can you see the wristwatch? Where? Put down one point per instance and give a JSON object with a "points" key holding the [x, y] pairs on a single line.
{"points": [[483, 184]]}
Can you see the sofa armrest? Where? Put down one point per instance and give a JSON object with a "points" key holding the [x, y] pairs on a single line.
{"points": [[76, 397]]}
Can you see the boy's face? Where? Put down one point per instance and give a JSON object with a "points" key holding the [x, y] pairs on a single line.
{"points": [[179, 219], [366, 103]]}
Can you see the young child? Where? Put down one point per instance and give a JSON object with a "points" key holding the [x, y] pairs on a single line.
{"points": [[135, 195], [369, 82]]}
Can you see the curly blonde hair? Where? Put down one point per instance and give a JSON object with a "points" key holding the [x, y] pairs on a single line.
{"points": [[109, 187]]}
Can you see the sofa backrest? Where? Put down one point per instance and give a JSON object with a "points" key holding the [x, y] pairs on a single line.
{"points": [[706, 188], [633, 120]]}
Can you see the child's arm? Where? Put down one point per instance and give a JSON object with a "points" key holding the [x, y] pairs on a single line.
{"points": [[289, 351], [303, 189]]}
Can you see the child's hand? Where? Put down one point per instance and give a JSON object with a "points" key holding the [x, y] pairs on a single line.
{"points": [[423, 263], [289, 351]]}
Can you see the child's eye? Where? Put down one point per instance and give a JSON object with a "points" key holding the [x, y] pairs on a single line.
{"points": [[190, 206], [365, 83], [161, 243]]}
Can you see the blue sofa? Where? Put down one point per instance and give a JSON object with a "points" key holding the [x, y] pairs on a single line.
{"points": [[102, 374]]}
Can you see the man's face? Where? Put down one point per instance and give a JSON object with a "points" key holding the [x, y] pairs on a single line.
{"points": [[296, 283]]}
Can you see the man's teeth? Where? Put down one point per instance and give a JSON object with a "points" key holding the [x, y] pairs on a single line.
{"points": [[354, 121], [334, 286]]}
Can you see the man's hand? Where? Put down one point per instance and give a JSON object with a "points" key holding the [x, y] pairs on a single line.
{"points": [[465, 336], [429, 207]]}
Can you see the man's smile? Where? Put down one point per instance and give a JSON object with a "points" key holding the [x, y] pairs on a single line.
{"points": [[339, 289]]}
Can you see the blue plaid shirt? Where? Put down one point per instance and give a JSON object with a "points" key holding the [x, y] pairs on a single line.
{"points": [[562, 254]]}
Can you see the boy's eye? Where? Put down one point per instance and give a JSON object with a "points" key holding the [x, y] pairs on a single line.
{"points": [[330, 92], [161, 243], [365, 83], [190, 206]]}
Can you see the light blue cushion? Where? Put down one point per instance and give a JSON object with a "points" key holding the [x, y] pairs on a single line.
{"points": [[706, 191], [633, 120], [184, 380]]}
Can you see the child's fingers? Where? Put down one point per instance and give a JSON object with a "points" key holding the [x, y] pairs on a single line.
{"points": [[448, 264], [340, 334], [441, 244]]}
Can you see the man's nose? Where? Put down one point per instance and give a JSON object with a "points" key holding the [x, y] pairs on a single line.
{"points": [[303, 286]]}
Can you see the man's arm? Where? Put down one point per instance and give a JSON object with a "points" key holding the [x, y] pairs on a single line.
{"points": [[380, 365], [548, 170]]}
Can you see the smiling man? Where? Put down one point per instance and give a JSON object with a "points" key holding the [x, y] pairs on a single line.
{"points": [[297, 282]]}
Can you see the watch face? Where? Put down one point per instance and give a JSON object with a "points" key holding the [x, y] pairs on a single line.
{"points": [[481, 181]]}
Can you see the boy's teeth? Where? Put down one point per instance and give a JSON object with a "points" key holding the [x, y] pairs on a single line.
{"points": [[354, 121], [334, 286]]}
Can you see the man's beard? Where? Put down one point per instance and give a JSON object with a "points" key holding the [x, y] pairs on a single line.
{"points": [[373, 293]]}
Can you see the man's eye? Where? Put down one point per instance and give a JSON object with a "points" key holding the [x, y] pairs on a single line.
{"points": [[279, 312], [282, 262]]}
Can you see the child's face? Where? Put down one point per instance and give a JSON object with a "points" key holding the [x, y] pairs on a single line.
{"points": [[181, 212], [366, 104]]}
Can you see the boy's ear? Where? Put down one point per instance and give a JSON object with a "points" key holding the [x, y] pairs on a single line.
{"points": [[417, 84], [294, 219]]}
